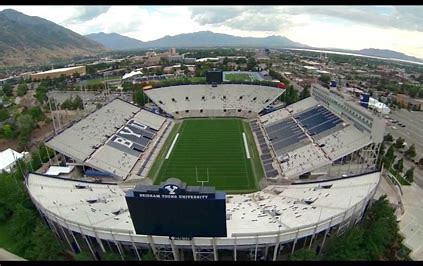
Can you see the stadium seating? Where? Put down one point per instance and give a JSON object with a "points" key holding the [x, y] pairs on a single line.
{"points": [[205, 100]]}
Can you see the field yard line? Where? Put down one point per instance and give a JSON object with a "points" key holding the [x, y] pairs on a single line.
{"points": [[245, 145], [171, 146]]}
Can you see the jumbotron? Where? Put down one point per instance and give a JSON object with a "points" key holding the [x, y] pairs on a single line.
{"points": [[213, 172]]}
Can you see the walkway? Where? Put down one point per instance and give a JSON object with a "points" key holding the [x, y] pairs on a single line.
{"points": [[6, 255], [411, 223]]}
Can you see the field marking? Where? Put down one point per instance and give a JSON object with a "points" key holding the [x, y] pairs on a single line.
{"points": [[245, 145], [171, 146]]}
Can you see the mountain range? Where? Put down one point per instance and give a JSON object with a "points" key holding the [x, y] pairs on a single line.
{"points": [[28, 40], [190, 40], [116, 41]]}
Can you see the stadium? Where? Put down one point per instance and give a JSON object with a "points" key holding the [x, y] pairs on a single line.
{"points": [[211, 175]]}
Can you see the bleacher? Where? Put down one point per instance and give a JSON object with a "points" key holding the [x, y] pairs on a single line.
{"points": [[284, 134], [265, 156], [204, 100], [317, 120]]}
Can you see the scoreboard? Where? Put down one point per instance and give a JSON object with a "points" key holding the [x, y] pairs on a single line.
{"points": [[214, 76], [176, 210]]}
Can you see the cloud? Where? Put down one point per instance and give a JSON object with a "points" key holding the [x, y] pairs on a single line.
{"points": [[271, 18], [247, 18], [86, 13]]}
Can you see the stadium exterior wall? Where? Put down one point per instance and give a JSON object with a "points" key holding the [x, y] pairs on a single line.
{"points": [[67, 230]]}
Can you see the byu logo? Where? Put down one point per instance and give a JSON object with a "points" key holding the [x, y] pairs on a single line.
{"points": [[171, 189]]}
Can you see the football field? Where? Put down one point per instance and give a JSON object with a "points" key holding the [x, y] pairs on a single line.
{"points": [[212, 150]]}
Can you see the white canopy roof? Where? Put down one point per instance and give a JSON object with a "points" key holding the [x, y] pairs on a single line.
{"points": [[8, 158]]}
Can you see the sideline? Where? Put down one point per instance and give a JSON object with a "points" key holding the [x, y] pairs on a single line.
{"points": [[171, 146], [245, 145]]}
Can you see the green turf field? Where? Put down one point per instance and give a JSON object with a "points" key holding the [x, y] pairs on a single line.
{"points": [[237, 77], [213, 148]]}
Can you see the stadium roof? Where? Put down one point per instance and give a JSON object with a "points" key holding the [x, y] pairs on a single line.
{"points": [[276, 208], [59, 70]]}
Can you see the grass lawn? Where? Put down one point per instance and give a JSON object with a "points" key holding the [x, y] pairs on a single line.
{"points": [[210, 149], [237, 77], [101, 80]]}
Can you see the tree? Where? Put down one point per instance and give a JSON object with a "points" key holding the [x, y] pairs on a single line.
{"points": [[388, 137], [149, 256], [291, 95], [139, 97], [83, 256], [22, 226], [399, 166], [251, 63], [380, 155], [110, 256], [421, 162], [305, 93], [411, 152], [304, 255], [7, 89], [22, 89], [25, 125], [41, 93], [399, 143], [377, 237], [325, 78], [409, 175], [8, 131], [36, 113], [4, 114], [44, 244]]}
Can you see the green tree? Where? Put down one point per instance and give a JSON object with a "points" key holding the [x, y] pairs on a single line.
{"points": [[22, 89], [380, 155], [251, 63], [139, 97], [22, 226], [291, 95], [8, 131], [110, 256], [4, 114], [41, 93], [25, 125], [421, 162], [83, 256], [325, 78], [411, 152], [44, 244], [304, 255], [399, 166], [7, 89], [77, 103], [149, 256], [388, 137], [399, 143], [305, 93], [409, 175], [36, 113]]}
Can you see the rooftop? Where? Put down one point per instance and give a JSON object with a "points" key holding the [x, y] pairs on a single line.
{"points": [[275, 208]]}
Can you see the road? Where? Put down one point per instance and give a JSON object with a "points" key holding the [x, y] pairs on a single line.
{"points": [[413, 130]]}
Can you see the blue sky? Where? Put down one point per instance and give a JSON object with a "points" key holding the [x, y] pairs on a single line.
{"points": [[398, 28]]}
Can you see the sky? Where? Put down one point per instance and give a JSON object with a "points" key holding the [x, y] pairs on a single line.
{"points": [[398, 28]]}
